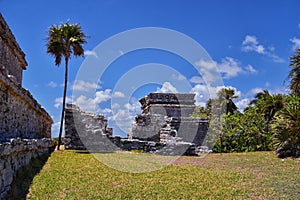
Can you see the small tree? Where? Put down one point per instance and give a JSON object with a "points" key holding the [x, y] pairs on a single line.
{"points": [[286, 128], [294, 74], [63, 41]]}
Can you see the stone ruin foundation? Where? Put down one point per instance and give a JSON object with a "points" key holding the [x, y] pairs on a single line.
{"points": [[164, 127], [25, 126], [166, 120], [86, 130]]}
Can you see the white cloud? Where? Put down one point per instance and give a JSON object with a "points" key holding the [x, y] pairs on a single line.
{"points": [[90, 53], [254, 91], [124, 116], [250, 69], [196, 79], [202, 94], [85, 104], [106, 112], [296, 42], [92, 104], [118, 94], [229, 68], [103, 96], [242, 104], [280, 90], [80, 85], [208, 70], [167, 87], [115, 106], [58, 101], [275, 58], [251, 44], [52, 84], [55, 129], [178, 77]]}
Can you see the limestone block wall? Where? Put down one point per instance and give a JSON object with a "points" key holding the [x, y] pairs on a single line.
{"points": [[23, 121], [20, 114], [147, 127], [18, 153], [12, 58], [86, 130]]}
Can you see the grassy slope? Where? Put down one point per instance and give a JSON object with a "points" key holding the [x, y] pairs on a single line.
{"points": [[259, 175]]}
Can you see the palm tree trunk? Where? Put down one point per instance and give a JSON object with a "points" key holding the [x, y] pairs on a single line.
{"points": [[64, 103]]}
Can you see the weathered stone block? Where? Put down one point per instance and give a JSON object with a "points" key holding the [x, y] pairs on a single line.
{"points": [[86, 130]]}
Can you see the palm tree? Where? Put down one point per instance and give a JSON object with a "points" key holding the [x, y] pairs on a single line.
{"points": [[268, 104], [63, 41], [260, 96], [286, 128], [225, 97], [294, 74]]}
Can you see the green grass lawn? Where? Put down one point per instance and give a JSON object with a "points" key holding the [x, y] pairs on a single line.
{"points": [[79, 175]]}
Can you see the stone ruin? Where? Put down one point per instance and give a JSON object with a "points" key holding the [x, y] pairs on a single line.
{"points": [[85, 130], [164, 127], [165, 119], [25, 127]]}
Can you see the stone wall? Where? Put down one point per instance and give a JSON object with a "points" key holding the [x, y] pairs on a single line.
{"points": [[23, 121], [166, 119], [18, 153], [12, 58], [86, 130], [168, 104], [20, 114]]}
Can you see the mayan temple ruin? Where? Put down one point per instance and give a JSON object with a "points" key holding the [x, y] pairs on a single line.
{"points": [[25, 127], [165, 119], [85, 130], [164, 127]]}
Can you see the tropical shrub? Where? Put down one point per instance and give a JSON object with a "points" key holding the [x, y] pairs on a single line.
{"points": [[286, 128]]}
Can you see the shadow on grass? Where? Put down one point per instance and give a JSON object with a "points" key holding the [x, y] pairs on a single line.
{"points": [[24, 177]]}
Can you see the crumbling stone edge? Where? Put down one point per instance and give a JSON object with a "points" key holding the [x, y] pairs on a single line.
{"points": [[17, 153]]}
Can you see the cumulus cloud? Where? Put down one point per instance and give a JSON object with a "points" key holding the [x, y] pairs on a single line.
{"points": [[90, 53], [251, 44], [250, 69], [52, 84], [124, 116], [118, 94], [92, 104], [254, 91], [196, 79], [58, 101], [208, 69], [228, 68], [296, 42], [102, 96], [242, 104], [84, 86], [167, 87], [202, 94], [115, 106], [178, 77]]}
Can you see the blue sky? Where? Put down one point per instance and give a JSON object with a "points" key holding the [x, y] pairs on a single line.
{"points": [[249, 42]]}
